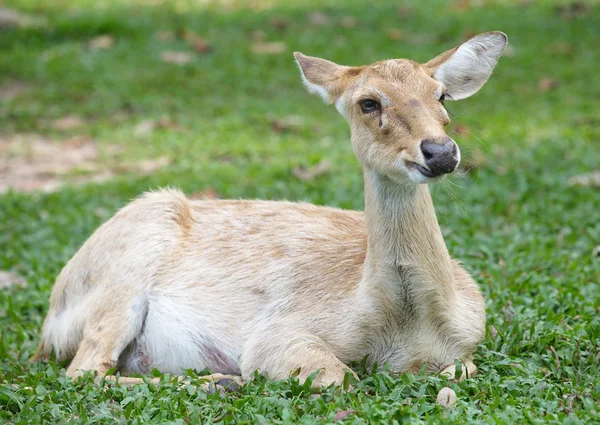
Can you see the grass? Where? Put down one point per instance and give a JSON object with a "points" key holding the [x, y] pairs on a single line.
{"points": [[517, 224]]}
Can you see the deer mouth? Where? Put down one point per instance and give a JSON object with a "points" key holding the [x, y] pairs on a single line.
{"points": [[426, 172]]}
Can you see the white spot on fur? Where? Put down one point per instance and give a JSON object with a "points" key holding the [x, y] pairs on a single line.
{"points": [[314, 88], [340, 105]]}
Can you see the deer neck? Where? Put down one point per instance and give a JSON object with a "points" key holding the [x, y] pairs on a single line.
{"points": [[405, 244]]}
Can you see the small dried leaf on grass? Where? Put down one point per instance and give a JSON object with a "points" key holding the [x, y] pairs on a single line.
{"points": [[147, 127], [508, 315], [344, 414], [151, 165], [10, 279], [587, 120], [279, 23], [102, 42], [10, 18], [493, 332], [199, 44], [404, 11], [144, 166], [68, 122], [207, 194], [287, 123], [141, 168], [268, 47], [462, 5], [560, 49], [318, 19], [556, 358], [163, 35], [420, 39], [547, 84], [395, 34], [587, 180], [85, 144], [468, 33], [168, 123], [349, 22], [258, 35], [178, 58], [576, 9], [144, 128], [311, 173]]}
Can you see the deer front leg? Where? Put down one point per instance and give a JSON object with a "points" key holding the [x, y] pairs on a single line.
{"points": [[468, 370], [278, 355]]}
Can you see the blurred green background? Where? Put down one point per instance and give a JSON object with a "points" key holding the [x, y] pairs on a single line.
{"points": [[100, 101]]}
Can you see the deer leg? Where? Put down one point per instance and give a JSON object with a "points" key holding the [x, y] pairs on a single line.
{"points": [[280, 355], [91, 355], [312, 357], [107, 336], [100, 356], [468, 370], [108, 330]]}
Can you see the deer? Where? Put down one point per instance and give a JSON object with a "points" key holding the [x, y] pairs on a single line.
{"points": [[285, 288]]}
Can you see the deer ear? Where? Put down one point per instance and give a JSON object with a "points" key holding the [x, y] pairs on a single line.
{"points": [[466, 68], [321, 76]]}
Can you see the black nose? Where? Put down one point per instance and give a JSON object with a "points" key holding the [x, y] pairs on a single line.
{"points": [[441, 157]]}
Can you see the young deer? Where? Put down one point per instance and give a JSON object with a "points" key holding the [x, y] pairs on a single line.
{"points": [[239, 286]]}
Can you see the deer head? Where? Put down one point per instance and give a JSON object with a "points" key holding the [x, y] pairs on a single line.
{"points": [[395, 107]]}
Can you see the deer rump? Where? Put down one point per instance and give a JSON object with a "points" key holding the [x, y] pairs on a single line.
{"points": [[184, 284]]}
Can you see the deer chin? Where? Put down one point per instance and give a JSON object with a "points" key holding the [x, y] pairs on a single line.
{"points": [[420, 175]]}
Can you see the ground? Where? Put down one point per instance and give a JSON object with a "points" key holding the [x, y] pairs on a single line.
{"points": [[114, 98]]}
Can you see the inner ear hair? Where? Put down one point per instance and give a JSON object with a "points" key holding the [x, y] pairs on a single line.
{"points": [[323, 77], [465, 68]]}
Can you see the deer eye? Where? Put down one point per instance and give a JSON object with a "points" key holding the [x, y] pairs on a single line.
{"points": [[442, 98], [369, 105]]}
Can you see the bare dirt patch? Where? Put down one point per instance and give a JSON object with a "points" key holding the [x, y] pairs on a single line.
{"points": [[30, 162]]}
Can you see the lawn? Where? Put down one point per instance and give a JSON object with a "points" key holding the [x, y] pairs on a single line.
{"points": [[206, 96]]}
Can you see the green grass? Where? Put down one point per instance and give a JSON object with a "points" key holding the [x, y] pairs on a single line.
{"points": [[516, 223]]}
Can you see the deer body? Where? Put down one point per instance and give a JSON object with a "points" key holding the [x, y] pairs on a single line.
{"points": [[239, 286]]}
